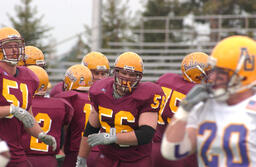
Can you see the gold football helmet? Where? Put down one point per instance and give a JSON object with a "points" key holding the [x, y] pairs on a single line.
{"points": [[33, 56], [98, 64], [194, 67], [11, 45], [43, 79], [234, 57], [78, 77], [128, 62]]}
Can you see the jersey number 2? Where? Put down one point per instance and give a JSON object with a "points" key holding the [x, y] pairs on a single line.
{"points": [[34, 142]]}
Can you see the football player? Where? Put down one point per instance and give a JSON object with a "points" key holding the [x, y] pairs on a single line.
{"points": [[77, 81], [217, 119], [125, 111], [33, 56], [99, 66], [18, 85], [96, 62], [52, 114], [194, 68]]}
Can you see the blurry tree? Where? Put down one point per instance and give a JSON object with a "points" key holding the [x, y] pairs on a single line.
{"points": [[30, 26], [77, 51], [116, 22], [116, 25], [154, 8], [224, 7], [151, 21]]}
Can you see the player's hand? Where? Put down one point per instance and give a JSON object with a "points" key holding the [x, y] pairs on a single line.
{"points": [[81, 162], [197, 94], [102, 138], [24, 116], [48, 139]]}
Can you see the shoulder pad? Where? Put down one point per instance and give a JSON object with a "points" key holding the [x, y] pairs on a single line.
{"points": [[168, 77], [58, 88], [99, 87], [66, 94], [2, 71], [146, 90], [27, 73]]}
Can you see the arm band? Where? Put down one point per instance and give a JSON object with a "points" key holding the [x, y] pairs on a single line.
{"points": [[177, 150], [90, 130], [144, 134]]}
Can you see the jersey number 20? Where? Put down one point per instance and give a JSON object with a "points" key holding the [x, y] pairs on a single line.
{"points": [[234, 134]]}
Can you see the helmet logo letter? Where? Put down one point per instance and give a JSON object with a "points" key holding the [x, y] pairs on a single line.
{"points": [[249, 63]]}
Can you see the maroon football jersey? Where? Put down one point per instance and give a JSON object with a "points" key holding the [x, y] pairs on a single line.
{"points": [[18, 90], [175, 89], [123, 114], [58, 88], [51, 114], [82, 108]]}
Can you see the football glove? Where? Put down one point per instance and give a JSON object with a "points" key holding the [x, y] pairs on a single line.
{"points": [[102, 138], [48, 139], [197, 94], [81, 162], [24, 116]]}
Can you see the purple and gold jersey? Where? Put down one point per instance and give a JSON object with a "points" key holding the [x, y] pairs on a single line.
{"points": [[82, 108], [17, 90], [123, 114], [175, 89], [51, 114], [58, 88]]}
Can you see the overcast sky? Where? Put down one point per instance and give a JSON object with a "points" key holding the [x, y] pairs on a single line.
{"points": [[67, 17]]}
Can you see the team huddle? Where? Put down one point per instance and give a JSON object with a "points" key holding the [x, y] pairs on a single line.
{"points": [[204, 117]]}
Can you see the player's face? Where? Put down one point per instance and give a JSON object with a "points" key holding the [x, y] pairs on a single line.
{"points": [[12, 49], [126, 79], [99, 74], [219, 78]]}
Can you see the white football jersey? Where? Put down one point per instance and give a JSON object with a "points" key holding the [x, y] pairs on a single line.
{"points": [[226, 134]]}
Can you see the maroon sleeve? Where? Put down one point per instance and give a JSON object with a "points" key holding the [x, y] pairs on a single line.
{"points": [[31, 78]]}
